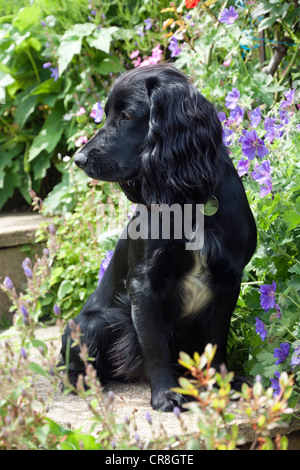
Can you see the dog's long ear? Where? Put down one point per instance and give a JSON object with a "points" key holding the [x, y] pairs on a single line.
{"points": [[181, 152]]}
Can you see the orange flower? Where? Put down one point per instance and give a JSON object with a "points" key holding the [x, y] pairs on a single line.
{"points": [[191, 3]]}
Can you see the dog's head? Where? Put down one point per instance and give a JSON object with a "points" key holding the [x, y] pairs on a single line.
{"points": [[161, 140]]}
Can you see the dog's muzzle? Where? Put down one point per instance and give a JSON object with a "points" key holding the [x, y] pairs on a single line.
{"points": [[80, 159]]}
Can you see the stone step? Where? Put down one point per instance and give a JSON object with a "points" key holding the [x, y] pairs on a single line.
{"points": [[17, 235]]}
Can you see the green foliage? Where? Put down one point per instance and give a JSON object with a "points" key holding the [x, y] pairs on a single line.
{"points": [[82, 45], [41, 120]]}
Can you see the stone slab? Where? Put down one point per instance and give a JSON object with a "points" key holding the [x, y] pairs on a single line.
{"points": [[19, 229], [133, 400], [16, 231]]}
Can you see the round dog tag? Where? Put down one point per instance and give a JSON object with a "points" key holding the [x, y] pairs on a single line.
{"points": [[211, 206]]}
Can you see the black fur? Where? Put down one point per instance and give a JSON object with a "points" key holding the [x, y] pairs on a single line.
{"points": [[162, 142]]}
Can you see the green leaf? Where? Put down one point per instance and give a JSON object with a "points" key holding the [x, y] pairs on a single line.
{"points": [[74, 439], [108, 65], [64, 288], [49, 135], [48, 86], [27, 17], [102, 38], [79, 30], [292, 219], [66, 50], [71, 43], [25, 109], [266, 23], [37, 369]]}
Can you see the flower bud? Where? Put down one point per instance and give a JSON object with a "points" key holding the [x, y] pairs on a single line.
{"points": [[8, 283]]}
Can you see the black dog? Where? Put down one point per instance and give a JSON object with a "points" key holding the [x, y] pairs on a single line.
{"points": [[162, 142]]}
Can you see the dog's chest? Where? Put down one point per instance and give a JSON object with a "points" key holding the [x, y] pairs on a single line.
{"points": [[194, 290]]}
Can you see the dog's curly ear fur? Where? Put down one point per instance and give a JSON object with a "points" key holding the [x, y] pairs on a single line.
{"points": [[183, 145]]}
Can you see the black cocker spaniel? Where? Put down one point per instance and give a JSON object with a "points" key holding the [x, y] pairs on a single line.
{"points": [[162, 143]]}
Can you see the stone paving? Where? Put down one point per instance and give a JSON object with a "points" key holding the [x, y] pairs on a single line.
{"points": [[130, 400]]}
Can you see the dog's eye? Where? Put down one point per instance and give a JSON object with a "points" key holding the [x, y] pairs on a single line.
{"points": [[126, 116]]}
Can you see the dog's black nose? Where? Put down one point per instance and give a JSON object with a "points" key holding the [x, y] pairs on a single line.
{"points": [[80, 159]]}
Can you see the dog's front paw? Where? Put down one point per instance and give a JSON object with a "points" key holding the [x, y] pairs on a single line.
{"points": [[166, 400]]}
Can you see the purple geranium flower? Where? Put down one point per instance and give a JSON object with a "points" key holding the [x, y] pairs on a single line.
{"points": [[284, 119], [243, 166], [232, 98], [252, 145], [282, 352], [267, 298], [227, 134], [262, 174], [46, 65], [255, 117], [54, 73], [275, 384], [273, 130], [236, 116], [222, 116], [148, 23], [97, 112], [296, 357], [105, 262], [290, 95], [229, 15], [261, 328], [174, 47]]}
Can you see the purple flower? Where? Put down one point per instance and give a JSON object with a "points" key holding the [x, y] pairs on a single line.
{"points": [[148, 417], [267, 298], [252, 145], [262, 174], [260, 328], [290, 95], [243, 167], [52, 229], [227, 134], [56, 310], [273, 130], [296, 357], [236, 116], [27, 271], [54, 73], [8, 283], [97, 112], [282, 352], [24, 311], [222, 116], [232, 98], [43, 23], [173, 47], [148, 23], [228, 15], [46, 65], [176, 411], [105, 262], [140, 31], [284, 119], [255, 117], [23, 353], [275, 384]]}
